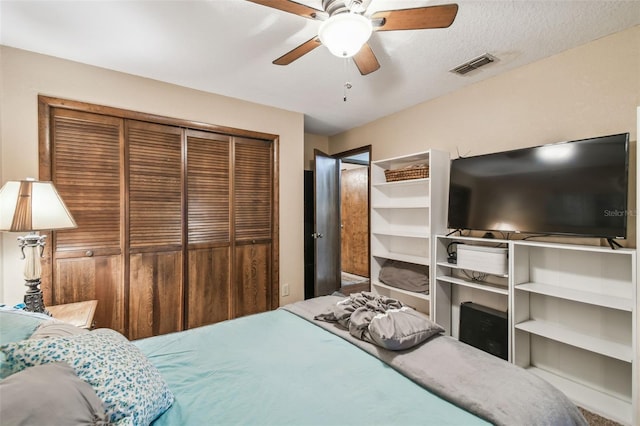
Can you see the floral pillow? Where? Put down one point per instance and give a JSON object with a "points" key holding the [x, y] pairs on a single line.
{"points": [[131, 388]]}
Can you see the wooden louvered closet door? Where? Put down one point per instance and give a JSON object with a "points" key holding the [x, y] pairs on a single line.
{"points": [[177, 226], [252, 208], [155, 229], [209, 228], [86, 153]]}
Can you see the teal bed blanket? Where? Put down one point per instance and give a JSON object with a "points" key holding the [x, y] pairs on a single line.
{"points": [[276, 368]]}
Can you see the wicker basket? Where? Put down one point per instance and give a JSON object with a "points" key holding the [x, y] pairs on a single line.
{"points": [[420, 171]]}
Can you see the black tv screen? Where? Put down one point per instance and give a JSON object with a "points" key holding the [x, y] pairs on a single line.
{"points": [[570, 188]]}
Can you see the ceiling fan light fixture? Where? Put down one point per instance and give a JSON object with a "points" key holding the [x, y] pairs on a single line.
{"points": [[345, 34]]}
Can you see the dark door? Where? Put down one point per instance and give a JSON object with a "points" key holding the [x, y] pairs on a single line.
{"points": [[309, 241], [327, 224]]}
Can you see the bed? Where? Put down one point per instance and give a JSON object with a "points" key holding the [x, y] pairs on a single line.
{"points": [[284, 367]]}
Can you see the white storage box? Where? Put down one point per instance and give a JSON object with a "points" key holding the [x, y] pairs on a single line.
{"points": [[491, 260]]}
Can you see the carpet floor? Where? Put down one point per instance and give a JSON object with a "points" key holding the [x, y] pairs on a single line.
{"points": [[596, 420]]}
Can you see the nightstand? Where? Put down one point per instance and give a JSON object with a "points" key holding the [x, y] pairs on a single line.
{"points": [[79, 314]]}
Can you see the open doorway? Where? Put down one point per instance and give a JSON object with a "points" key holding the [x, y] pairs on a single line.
{"points": [[354, 222], [337, 231]]}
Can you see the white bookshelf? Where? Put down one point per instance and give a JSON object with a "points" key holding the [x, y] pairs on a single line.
{"points": [[404, 217], [574, 316]]}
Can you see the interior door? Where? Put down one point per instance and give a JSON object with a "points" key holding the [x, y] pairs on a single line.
{"points": [[327, 223], [354, 184]]}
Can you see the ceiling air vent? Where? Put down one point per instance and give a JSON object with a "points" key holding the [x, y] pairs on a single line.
{"points": [[474, 64]]}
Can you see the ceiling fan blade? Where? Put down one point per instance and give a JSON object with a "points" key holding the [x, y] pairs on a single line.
{"points": [[299, 51], [366, 60], [291, 7], [415, 19]]}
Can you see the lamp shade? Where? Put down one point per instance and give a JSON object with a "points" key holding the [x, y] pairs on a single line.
{"points": [[345, 34], [30, 205]]}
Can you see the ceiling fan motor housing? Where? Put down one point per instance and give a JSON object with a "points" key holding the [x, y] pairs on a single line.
{"points": [[334, 7]]}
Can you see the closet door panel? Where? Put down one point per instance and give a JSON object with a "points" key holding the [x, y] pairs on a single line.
{"points": [[155, 185], [208, 290], [253, 214], [252, 278], [253, 189], [86, 171], [155, 301], [155, 232], [93, 278], [86, 152], [208, 191], [208, 228]]}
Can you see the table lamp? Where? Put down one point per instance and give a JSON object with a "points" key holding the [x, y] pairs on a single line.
{"points": [[31, 206]]}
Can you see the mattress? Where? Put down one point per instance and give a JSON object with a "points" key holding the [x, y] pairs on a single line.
{"points": [[276, 368]]}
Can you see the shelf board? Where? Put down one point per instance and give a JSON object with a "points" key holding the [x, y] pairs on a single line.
{"points": [[407, 182], [418, 260], [422, 204], [422, 235], [401, 161], [586, 397], [492, 288], [591, 298], [399, 290], [575, 247], [454, 266], [487, 241], [580, 340]]}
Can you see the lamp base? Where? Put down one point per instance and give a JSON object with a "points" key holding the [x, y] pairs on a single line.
{"points": [[33, 298]]}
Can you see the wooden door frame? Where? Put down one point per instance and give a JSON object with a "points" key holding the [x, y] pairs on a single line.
{"points": [[45, 159], [349, 153]]}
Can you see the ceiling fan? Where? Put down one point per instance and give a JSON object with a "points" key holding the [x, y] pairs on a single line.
{"points": [[346, 27]]}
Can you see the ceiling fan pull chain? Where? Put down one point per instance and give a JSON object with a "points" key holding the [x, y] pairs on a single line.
{"points": [[347, 83]]}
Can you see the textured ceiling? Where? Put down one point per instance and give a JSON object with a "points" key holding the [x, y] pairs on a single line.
{"points": [[227, 46]]}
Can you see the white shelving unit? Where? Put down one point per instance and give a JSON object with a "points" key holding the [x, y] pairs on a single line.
{"points": [[574, 311], [453, 285], [404, 217], [572, 314]]}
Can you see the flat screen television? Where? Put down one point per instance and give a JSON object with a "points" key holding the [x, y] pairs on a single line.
{"points": [[576, 188]]}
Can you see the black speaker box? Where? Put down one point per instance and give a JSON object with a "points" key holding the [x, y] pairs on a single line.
{"points": [[485, 328]]}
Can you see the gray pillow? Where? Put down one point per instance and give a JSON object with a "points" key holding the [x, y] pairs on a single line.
{"points": [[49, 394], [406, 276], [399, 329], [55, 328]]}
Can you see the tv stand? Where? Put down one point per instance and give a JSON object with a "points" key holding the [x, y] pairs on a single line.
{"points": [[613, 243], [570, 307]]}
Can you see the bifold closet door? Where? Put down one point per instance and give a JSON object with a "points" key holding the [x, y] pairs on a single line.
{"points": [[155, 231], [86, 157], [209, 228], [253, 221]]}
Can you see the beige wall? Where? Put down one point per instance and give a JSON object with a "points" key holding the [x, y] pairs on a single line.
{"points": [[311, 143], [24, 75], [591, 90]]}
